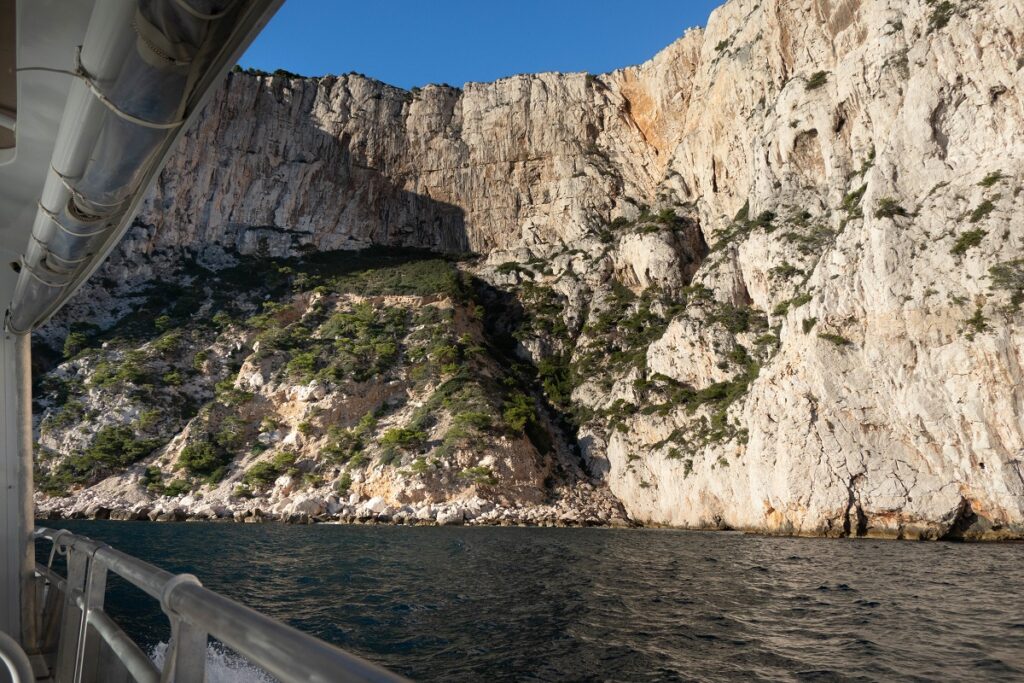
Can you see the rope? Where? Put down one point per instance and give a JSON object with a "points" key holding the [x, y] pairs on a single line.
{"points": [[81, 74], [199, 15], [56, 221], [78, 195], [151, 35], [28, 269], [49, 253]]}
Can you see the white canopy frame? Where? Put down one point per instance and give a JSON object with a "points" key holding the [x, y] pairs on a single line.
{"points": [[105, 90]]}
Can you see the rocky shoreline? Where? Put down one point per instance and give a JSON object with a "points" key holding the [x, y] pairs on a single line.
{"points": [[473, 512], [314, 509]]}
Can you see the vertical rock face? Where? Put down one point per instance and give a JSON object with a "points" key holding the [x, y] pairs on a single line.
{"points": [[818, 202], [339, 162], [893, 404]]}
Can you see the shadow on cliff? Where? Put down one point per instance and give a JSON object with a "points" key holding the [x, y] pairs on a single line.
{"points": [[393, 216], [336, 189]]}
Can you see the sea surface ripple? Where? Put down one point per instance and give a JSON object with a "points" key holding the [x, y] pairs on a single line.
{"points": [[510, 604]]}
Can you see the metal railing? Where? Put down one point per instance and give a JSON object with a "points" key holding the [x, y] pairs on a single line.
{"points": [[86, 646], [17, 664]]}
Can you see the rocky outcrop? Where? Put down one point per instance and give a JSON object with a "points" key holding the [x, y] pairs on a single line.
{"points": [[772, 278]]}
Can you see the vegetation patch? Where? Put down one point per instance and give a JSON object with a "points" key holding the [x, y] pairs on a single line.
{"points": [[837, 339], [853, 200], [966, 241], [266, 472], [890, 208], [1009, 277], [479, 475], [982, 211], [991, 179], [817, 80], [205, 460], [942, 13], [111, 450], [977, 323]]}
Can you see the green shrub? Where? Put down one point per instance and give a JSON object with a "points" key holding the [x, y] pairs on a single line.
{"points": [[472, 420], [889, 208], [285, 461], [419, 466], [401, 437], [344, 483], [809, 324], [977, 323], [786, 271], [115, 447], [204, 459], [168, 343], [75, 343], [302, 366], [479, 475], [764, 220], [241, 491], [69, 414], [342, 445], [261, 474], [982, 211], [968, 240], [153, 480], [173, 378], [177, 487], [127, 371], [226, 393], [1009, 277], [230, 435], [852, 202], [519, 411], [991, 179], [836, 339], [802, 300], [817, 80], [942, 12], [148, 419]]}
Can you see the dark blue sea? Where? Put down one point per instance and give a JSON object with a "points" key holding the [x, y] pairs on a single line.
{"points": [[511, 604]]}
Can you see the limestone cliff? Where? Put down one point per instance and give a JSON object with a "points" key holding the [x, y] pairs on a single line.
{"points": [[769, 280]]}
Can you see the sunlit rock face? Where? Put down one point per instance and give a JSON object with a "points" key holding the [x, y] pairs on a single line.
{"points": [[779, 266]]}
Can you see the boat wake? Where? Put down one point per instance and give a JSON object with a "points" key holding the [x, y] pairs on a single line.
{"points": [[222, 665]]}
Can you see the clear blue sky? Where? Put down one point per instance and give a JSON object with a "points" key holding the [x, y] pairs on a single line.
{"points": [[414, 42]]}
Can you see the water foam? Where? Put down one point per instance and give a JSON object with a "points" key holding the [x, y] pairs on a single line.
{"points": [[222, 665]]}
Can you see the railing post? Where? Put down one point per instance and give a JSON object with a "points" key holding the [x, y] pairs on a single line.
{"points": [[186, 653], [17, 556], [51, 617], [67, 651], [88, 639]]}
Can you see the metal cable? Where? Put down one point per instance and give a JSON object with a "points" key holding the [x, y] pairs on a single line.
{"points": [[81, 74], [31, 271], [48, 253], [56, 221], [78, 195]]}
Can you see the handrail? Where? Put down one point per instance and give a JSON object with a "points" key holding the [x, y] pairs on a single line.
{"points": [[195, 613], [134, 659], [15, 659]]}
